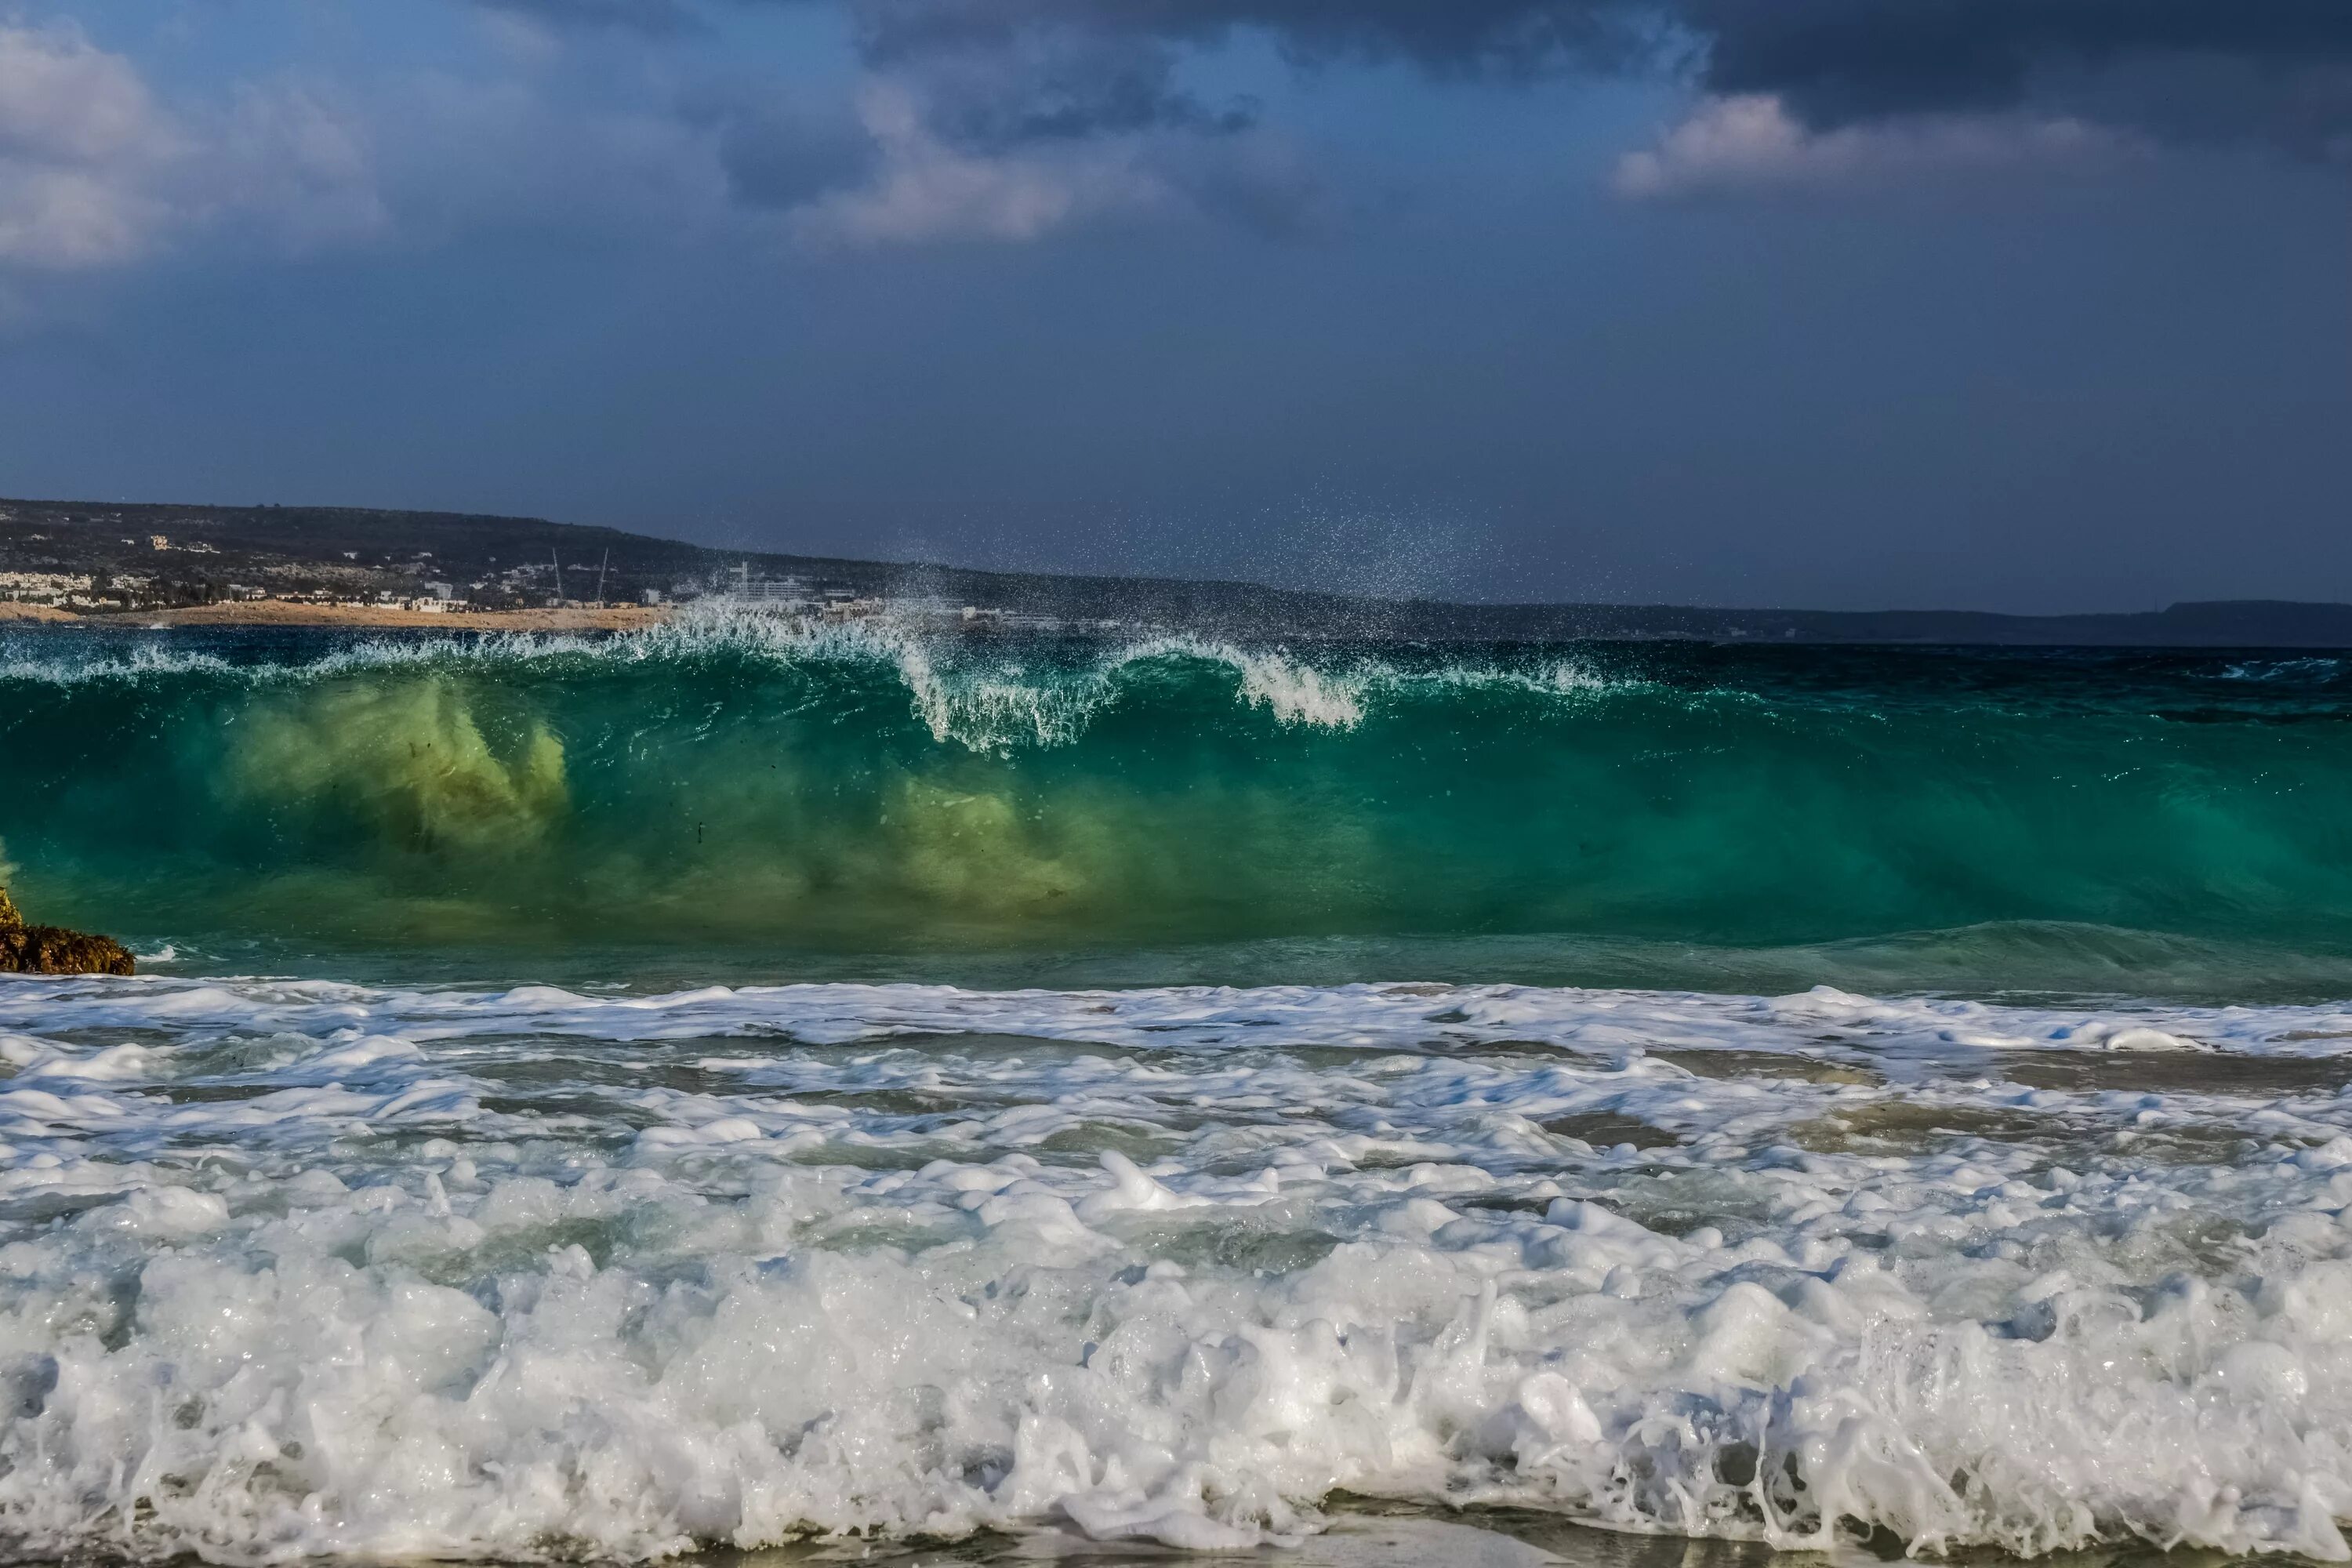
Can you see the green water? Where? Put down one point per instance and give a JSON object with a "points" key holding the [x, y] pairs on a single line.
{"points": [[732, 798]]}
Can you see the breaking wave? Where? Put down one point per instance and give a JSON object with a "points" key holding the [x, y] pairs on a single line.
{"points": [[739, 784]]}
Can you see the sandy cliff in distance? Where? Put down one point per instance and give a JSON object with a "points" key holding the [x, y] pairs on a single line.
{"points": [[276, 612]]}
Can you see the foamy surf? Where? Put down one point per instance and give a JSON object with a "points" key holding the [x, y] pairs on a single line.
{"points": [[297, 1268]]}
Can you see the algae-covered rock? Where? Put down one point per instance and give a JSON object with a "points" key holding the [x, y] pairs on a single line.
{"points": [[53, 950]]}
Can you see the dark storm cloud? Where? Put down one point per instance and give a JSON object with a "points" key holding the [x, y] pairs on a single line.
{"points": [[2190, 68], [1441, 33], [1839, 61], [997, 84], [778, 161], [998, 72], [1063, 85]]}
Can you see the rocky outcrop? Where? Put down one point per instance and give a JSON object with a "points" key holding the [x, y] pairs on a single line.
{"points": [[53, 950]]}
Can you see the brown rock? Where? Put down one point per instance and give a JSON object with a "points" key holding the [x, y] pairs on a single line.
{"points": [[53, 950]]}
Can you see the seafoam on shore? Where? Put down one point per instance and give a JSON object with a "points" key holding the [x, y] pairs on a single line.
{"points": [[296, 1268]]}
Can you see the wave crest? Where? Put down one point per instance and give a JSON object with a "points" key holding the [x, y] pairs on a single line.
{"points": [[985, 696]]}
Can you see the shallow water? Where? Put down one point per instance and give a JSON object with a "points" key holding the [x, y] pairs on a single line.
{"points": [[385, 1216], [303, 1266]]}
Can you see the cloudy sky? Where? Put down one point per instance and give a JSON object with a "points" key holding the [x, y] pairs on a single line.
{"points": [[2023, 304]]}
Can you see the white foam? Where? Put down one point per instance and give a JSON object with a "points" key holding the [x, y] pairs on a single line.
{"points": [[2313, 668], [1364, 1017], [300, 1267], [985, 697]]}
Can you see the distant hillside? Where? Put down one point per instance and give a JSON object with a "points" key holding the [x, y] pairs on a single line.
{"points": [[214, 551], [498, 560]]}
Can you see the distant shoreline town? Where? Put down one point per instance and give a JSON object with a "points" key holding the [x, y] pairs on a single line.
{"points": [[89, 564], [75, 561], [533, 592]]}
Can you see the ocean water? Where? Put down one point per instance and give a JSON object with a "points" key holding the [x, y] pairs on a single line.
{"points": [[735, 1089]]}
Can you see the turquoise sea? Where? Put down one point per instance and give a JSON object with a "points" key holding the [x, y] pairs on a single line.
{"points": [[740, 1086]]}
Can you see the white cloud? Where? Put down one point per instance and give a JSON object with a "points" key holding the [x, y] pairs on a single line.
{"points": [[299, 158], [81, 139], [926, 190], [1750, 142], [66, 219], [99, 167], [62, 99], [94, 171]]}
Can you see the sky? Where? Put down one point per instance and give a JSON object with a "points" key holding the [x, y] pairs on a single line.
{"points": [[2029, 305]]}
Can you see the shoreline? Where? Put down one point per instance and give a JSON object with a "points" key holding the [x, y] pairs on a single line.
{"points": [[276, 613]]}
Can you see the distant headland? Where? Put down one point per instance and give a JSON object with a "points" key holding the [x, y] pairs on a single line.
{"points": [[146, 564]]}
